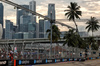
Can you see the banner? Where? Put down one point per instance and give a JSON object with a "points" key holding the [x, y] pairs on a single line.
{"points": [[3, 62]]}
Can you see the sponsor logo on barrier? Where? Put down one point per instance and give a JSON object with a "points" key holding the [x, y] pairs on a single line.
{"points": [[23, 62], [64, 60], [3, 62], [20, 62], [38, 61], [75, 59], [71, 59], [46, 60], [49, 61], [34, 61], [79, 59], [93, 58], [57, 60]]}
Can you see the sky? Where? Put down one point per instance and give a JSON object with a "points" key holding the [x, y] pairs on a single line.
{"points": [[88, 7]]}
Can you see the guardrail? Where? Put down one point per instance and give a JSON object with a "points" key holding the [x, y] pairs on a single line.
{"points": [[19, 62]]}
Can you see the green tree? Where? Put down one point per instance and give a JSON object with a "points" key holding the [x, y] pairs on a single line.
{"points": [[74, 40], [70, 38], [73, 13], [92, 43], [92, 25], [94, 46], [55, 33]]}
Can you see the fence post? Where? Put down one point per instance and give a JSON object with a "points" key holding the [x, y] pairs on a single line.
{"points": [[31, 50], [38, 51], [23, 50]]}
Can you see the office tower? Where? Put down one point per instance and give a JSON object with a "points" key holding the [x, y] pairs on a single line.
{"points": [[21, 12], [24, 20], [32, 5], [51, 11], [9, 29], [15, 28], [44, 25], [32, 30], [18, 35], [1, 14], [25, 35], [1, 17], [41, 28], [1, 31], [37, 30]]}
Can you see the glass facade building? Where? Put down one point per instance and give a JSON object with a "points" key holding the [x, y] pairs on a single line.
{"points": [[1, 14], [32, 5], [21, 12], [9, 30], [44, 25], [51, 11]]}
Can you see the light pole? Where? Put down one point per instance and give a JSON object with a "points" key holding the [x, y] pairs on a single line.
{"points": [[51, 37]]}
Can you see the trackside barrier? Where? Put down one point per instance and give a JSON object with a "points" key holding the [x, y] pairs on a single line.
{"points": [[91, 58], [44, 61], [3, 62]]}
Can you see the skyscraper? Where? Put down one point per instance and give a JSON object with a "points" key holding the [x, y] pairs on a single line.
{"points": [[24, 20], [44, 25], [32, 5], [9, 29], [41, 28], [1, 14], [32, 30], [21, 12], [51, 11]]}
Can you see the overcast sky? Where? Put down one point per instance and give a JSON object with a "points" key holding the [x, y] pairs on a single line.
{"points": [[88, 7]]}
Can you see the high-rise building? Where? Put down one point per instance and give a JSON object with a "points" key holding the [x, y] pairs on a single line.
{"points": [[18, 35], [32, 30], [51, 11], [1, 31], [1, 14], [41, 28], [32, 5], [9, 29], [44, 25], [26, 20], [21, 12], [25, 35]]}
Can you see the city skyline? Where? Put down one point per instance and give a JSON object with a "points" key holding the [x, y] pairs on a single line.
{"points": [[42, 7]]}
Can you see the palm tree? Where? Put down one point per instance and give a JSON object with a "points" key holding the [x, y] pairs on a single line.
{"points": [[55, 33], [92, 44], [70, 38], [74, 40], [73, 13], [92, 25]]}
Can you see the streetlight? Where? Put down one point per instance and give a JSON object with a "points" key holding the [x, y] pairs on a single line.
{"points": [[51, 37]]}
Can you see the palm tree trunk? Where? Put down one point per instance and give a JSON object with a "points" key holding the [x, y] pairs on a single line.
{"points": [[76, 27]]}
